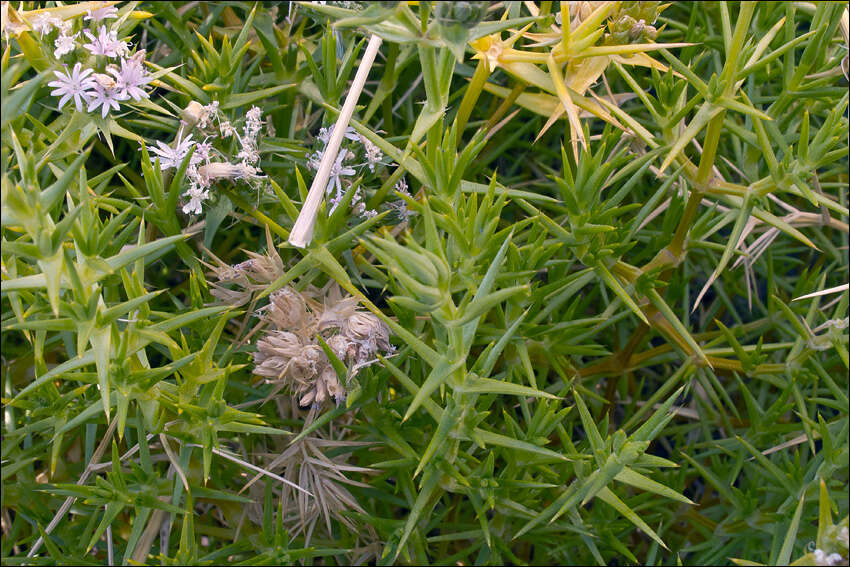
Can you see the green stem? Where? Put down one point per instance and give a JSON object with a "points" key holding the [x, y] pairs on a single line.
{"points": [[714, 130], [700, 183], [505, 106]]}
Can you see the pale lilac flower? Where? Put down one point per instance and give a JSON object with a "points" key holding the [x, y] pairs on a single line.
{"points": [[313, 160], [337, 171], [65, 26], [248, 154], [226, 129], [208, 112], [373, 154], [202, 152], [196, 198], [76, 85], [335, 201], [253, 122], [400, 206], [326, 133], [64, 44], [172, 157], [132, 76], [106, 43], [99, 14], [194, 177], [358, 205], [105, 98], [44, 23]]}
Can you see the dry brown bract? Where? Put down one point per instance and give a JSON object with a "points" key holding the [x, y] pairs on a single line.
{"points": [[290, 354]]}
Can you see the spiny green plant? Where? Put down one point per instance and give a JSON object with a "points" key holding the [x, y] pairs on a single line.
{"points": [[604, 260]]}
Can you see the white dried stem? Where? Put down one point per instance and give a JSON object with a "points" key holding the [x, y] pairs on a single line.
{"points": [[302, 231], [248, 465], [836, 289], [95, 459]]}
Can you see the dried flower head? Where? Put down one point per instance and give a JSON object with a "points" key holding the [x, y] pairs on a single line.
{"points": [[275, 353], [373, 153], [310, 464], [288, 310], [235, 297], [290, 354], [336, 309], [265, 268], [368, 332]]}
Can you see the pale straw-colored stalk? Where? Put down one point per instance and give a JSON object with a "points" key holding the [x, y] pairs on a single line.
{"points": [[63, 510], [302, 231]]}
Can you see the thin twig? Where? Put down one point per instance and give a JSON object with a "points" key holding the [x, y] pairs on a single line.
{"points": [[110, 552], [302, 230], [95, 458], [173, 458], [248, 465]]}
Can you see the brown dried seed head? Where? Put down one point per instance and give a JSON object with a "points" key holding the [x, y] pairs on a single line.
{"points": [[104, 81], [230, 296], [274, 353], [331, 383], [284, 343], [265, 268], [305, 365], [287, 309], [370, 331], [318, 391], [360, 325], [327, 384], [343, 347], [225, 170], [336, 312]]}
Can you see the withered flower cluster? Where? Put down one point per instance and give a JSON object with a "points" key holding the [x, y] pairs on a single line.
{"points": [[288, 352]]}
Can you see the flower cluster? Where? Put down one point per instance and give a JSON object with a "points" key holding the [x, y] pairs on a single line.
{"points": [[254, 274], [345, 165], [207, 163], [400, 206], [290, 354], [105, 74]]}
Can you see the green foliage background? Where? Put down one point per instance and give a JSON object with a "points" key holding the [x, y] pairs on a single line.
{"points": [[559, 393]]}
